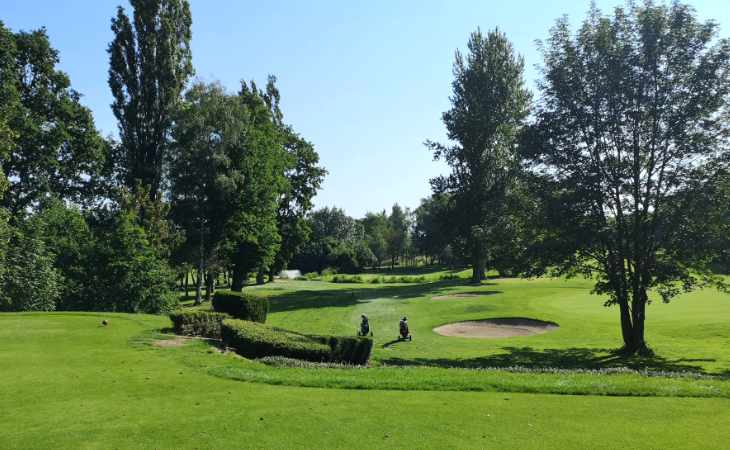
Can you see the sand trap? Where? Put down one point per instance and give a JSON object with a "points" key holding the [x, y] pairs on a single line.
{"points": [[496, 328]]}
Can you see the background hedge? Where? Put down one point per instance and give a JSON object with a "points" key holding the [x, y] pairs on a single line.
{"points": [[255, 340], [198, 323], [241, 305]]}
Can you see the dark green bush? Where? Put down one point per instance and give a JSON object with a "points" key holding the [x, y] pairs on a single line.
{"points": [[198, 323], [241, 305], [255, 340], [348, 349]]}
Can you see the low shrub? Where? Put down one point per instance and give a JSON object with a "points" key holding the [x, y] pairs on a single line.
{"points": [[347, 279], [348, 349], [329, 271], [198, 323], [255, 340], [241, 305], [311, 276]]}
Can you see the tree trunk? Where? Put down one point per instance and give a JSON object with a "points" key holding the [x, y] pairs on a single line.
{"points": [[199, 285], [632, 322], [260, 276], [478, 268], [209, 286], [477, 273], [238, 279], [187, 284]]}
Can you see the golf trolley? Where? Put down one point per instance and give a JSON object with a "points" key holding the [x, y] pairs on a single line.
{"points": [[405, 334]]}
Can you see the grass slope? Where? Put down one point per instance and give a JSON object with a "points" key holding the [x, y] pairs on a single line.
{"points": [[70, 383]]}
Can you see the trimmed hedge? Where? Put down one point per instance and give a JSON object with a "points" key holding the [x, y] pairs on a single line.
{"points": [[254, 340], [198, 323], [348, 349], [241, 305]]}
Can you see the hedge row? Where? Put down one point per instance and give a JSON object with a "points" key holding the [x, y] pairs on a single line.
{"points": [[348, 349], [241, 305], [198, 323], [254, 340]]}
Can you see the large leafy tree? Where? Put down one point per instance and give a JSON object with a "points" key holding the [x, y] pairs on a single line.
{"points": [[376, 228], [204, 180], [149, 65], [629, 142], [253, 238], [304, 177], [227, 177], [488, 106], [398, 233], [129, 275], [431, 233], [9, 99], [48, 141]]}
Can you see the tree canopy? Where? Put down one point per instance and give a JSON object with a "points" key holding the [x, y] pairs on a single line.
{"points": [[629, 139]]}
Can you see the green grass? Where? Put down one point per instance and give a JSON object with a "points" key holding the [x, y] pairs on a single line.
{"points": [[68, 382], [689, 334]]}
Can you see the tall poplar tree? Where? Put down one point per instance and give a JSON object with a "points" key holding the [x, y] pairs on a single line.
{"points": [[488, 107], [149, 64]]}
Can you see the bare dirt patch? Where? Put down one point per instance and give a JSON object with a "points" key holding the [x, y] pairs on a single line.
{"points": [[496, 328], [177, 341]]}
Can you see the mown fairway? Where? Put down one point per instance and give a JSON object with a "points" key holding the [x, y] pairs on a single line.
{"points": [[70, 382], [690, 333]]}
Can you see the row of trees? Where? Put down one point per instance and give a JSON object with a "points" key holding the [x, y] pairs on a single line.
{"points": [[350, 245], [200, 179], [618, 172]]}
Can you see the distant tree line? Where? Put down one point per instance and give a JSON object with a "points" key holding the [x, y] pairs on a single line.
{"points": [[401, 238]]}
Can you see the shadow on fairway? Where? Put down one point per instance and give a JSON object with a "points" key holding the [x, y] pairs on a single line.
{"points": [[569, 358], [324, 298]]}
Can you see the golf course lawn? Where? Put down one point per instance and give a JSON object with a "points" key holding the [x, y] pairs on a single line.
{"points": [[69, 382]]}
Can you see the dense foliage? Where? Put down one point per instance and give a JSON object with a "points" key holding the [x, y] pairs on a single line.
{"points": [[198, 323], [630, 138], [254, 340], [48, 142], [241, 305]]}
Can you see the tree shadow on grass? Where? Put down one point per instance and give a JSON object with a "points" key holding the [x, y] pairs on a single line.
{"points": [[568, 358], [325, 298]]}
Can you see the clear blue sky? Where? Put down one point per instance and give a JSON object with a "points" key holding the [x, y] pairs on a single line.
{"points": [[365, 81]]}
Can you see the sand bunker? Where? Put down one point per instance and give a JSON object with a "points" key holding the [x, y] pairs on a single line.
{"points": [[496, 328]]}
